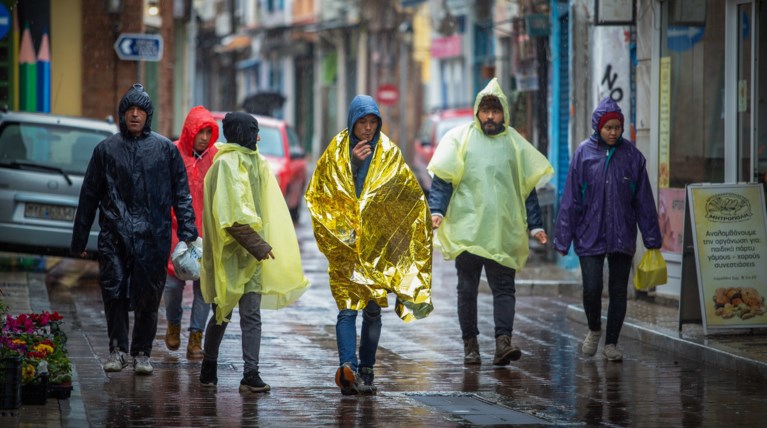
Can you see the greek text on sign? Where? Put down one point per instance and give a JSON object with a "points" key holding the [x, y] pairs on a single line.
{"points": [[139, 47]]}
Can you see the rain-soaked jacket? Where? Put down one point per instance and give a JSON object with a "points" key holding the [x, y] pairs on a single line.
{"points": [[197, 164], [133, 182], [240, 188], [492, 177], [381, 240], [607, 194]]}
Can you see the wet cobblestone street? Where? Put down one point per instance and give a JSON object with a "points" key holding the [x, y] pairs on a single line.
{"points": [[417, 363]]}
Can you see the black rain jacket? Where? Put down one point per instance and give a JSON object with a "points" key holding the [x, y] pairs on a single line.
{"points": [[134, 182]]}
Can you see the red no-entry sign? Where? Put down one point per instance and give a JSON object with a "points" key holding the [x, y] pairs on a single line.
{"points": [[387, 94]]}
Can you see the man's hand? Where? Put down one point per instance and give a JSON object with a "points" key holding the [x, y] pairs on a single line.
{"points": [[436, 221], [542, 237], [362, 151], [84, 254]]}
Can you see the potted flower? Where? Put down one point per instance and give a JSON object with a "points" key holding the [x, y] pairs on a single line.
{"points": [[46, 369]]}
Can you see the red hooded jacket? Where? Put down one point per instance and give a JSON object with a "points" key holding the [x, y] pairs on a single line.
{"points": [[197, 165]]}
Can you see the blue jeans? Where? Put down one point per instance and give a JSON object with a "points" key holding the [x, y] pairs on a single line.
{"points": [[346, 336], [174, 294], [619, 267]]}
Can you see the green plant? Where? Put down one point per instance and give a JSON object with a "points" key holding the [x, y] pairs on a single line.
{"points": [[38, 338]]}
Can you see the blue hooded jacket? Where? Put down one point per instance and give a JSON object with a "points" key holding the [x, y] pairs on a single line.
{"points": [[361, 106], [606, 196]]}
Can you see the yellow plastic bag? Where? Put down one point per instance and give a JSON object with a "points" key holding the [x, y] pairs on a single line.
{"points": [[651, 271]]}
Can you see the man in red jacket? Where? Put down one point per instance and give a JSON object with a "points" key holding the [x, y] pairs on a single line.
{"points": [[197, 150]]}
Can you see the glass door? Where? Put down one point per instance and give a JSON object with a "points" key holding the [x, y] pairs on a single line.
{"points": [[740, 91]]}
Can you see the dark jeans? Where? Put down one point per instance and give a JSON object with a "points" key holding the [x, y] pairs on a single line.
{"points": [[501, 281], [118, 322], [619, 267]]}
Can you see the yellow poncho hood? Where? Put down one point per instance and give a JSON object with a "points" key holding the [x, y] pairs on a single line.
{"points": [[380, 242], [240, 188], [492, 176]]}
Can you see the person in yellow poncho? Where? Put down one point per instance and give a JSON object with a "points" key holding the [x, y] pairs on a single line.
{"points": [[483, 202], [250, 251], [371, 221]]}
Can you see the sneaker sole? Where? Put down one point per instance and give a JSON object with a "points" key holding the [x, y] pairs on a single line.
{"points": [[143, 372], [345, 378], [113, 369], [246, 388]]}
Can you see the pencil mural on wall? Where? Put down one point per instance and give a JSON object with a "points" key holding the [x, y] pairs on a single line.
{"points": [[25, 50]]}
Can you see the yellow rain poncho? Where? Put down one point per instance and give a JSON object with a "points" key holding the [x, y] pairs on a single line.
{"points": [[380, 242], [492, 176], [228, 270]]}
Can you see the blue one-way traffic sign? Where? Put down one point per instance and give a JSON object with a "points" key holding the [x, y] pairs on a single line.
{"points": [[139, 47]]}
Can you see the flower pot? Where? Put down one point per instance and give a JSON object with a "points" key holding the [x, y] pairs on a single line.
{"points": [[35, 393], [10, 382], [60, 391]]}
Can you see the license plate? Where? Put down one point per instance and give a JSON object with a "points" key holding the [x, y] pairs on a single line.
{"points": [[49, 212]]}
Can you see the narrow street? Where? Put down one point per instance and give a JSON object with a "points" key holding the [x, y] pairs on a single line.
{"points": [[420, 373]]}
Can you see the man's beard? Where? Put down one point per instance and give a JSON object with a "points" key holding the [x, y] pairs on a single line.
{"points": [[492, 128]]}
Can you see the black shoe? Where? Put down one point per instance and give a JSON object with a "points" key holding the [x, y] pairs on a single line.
{"points": [[366, 375], [208, 373], [252, 382]]}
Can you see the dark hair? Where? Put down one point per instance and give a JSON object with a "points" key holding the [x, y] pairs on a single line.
{"points": [[490, 102]]}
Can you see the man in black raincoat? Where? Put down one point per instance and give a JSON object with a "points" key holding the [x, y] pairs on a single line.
{"points": [[133, 179]]}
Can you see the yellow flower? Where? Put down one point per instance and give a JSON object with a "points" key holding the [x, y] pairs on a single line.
{"points": [[27, 372], [47, 349], [19, 342]]}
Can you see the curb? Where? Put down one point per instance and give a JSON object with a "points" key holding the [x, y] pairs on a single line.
{"points": [[670, 340]]}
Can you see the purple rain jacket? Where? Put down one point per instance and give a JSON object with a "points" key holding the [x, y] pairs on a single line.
{"points": [[607, 194]]}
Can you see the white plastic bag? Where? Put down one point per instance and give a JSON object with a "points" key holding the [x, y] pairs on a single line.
{"points": [[186, 260]]}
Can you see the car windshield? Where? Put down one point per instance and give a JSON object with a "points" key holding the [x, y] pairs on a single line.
{"points": [[63, 147], [447, 124], [271, 140]]}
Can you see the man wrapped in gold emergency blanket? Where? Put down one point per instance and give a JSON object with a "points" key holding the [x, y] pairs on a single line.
{"points": [[378, 242]]}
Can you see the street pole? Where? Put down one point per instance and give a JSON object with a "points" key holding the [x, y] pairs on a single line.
{"points": [[403, 70]]}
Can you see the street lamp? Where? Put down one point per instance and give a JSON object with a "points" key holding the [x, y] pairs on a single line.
{"points": [[114, 9], [406, 38]]}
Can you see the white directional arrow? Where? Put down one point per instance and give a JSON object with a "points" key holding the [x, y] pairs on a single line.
{"points": [[126, 47]]}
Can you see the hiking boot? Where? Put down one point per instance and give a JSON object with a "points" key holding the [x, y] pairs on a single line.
{"points": [[346, 379], [504, 351], [173, 336], [208, 373], [365, 378], [471, 351], [141, 364], [611, 353], [591, 342], [252, 382], [116, 361], [194, 348]]}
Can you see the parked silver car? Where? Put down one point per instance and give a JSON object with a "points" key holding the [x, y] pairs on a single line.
{"points": [[43, 159]]}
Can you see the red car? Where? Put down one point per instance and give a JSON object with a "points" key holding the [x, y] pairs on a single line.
{"points": [[432, 130], [280, 146]]}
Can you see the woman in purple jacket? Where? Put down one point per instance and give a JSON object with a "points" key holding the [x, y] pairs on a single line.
{"points": [[607, 195]]}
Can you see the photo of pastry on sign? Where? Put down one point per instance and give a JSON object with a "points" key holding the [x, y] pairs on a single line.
{"points": [[743, 302]]}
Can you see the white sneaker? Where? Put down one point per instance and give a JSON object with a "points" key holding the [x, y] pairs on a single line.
{"points": [[116, 362], [611, 353], [141, 364], [591, 342]]}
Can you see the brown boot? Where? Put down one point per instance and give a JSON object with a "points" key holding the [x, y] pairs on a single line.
{"points": [[173, 337], [194, 348], [471, 351], [504, 351]]}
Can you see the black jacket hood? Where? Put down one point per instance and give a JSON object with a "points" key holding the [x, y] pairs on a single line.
{"points": [[136, 96]]}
